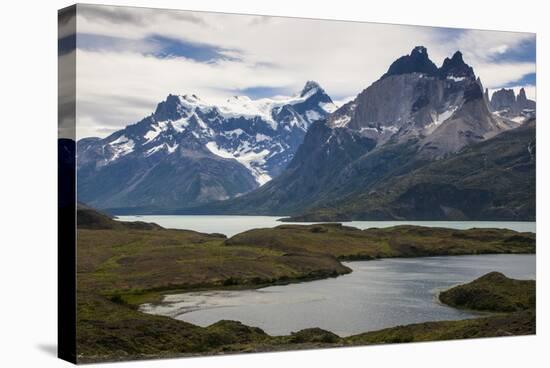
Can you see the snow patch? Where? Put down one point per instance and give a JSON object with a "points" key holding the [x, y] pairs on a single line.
{"points": [[368, 129], [236, 132], [157, 129], [390, 128], [456, 79], [180, 124], [341, 121], [329, 107], [160, 147], [171, 149], [262, 137], [213, 147], [246, 157], [519, 119], [154, 150], [121, 147], [444, 116]]}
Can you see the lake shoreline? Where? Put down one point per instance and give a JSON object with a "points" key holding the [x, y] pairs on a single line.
{"points": [[122, 265], [152, 296], [230, 225], [224, 293]]}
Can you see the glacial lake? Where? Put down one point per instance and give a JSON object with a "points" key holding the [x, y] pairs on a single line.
{"points": [[231, 225], [376, 295]]}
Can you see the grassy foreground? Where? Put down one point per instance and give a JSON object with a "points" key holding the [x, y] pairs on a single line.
{"points": [[121, 265]]}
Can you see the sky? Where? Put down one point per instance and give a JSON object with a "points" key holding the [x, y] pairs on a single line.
{"points": [[130, 59]]}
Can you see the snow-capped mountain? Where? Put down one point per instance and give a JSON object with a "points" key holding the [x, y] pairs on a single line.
{"points": [[255, 138], [354, 164]]}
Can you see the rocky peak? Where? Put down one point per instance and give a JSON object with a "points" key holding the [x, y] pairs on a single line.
{"points": [[309, 86], [416, 62], [168, 109], [505, 103], [522, 96], [503, 99], [456, 67]]}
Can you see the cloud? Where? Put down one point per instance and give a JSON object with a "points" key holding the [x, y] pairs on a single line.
{"points": [[151, 53], [262, 91], [155, 45], [127, 16], [495, 75]]}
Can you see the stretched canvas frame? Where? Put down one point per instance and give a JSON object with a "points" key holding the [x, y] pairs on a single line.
{"points": [[215, 198]]}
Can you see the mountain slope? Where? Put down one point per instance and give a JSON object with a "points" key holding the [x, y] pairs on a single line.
{"points": [[310, 174], [192, 151], [493, 179]]}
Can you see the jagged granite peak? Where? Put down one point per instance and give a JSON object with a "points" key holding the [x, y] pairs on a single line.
{"points": [[523, 103], [417, 96], [190, 138], [455, 67], [416, 62], [506, 104], [444, 111], [521, 95], [503, 99]]}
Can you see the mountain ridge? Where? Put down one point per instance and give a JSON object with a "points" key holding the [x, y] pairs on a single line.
{"points": [[406, 120], [208, 151]]}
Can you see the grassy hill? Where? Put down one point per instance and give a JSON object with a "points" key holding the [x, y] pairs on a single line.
{"points": [[493, 292], [345, 242]]}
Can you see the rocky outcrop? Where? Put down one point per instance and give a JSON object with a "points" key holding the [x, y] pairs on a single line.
{"points": [[522, 102], [455, 67], [416, 62], [505, 103], [503, 99], [444, 108]]}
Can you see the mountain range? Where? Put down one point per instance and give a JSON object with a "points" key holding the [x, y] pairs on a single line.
{"points": [[421, 143], [191, 151], [409, 147]]}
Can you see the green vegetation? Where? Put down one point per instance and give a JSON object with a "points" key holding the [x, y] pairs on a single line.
{"points": [[122, 265], [493, 292], [493, 179], [521, 323], [349, 243]]}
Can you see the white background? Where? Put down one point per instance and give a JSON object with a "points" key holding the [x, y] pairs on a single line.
{"points": [[28, 132]]}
